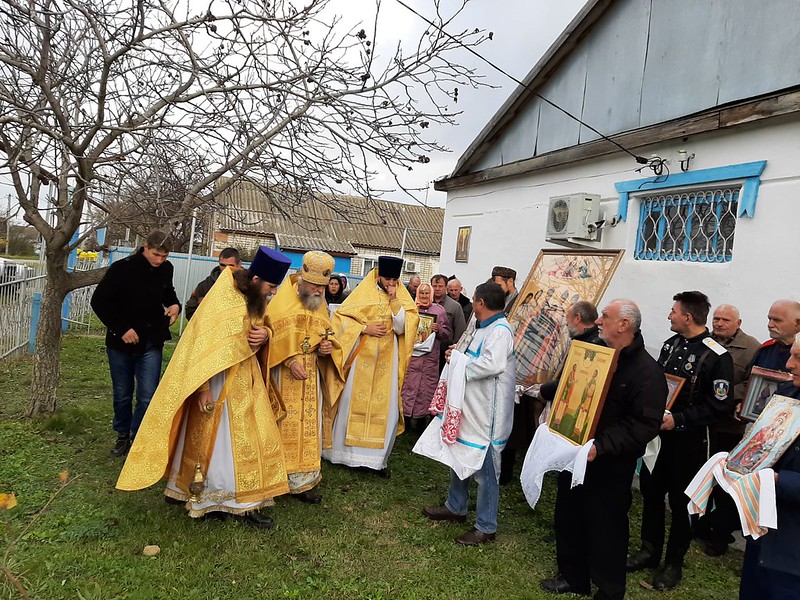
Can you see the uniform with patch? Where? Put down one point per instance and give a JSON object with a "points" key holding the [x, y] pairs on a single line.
{"points": [[706, 398]]}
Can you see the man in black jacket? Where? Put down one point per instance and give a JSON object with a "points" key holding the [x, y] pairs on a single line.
{"points": [[229, 257], [771, 567], [592, 519], [705, 399], [136, 301], [581, 318]]}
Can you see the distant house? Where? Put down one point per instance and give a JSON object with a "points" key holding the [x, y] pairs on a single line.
{"points": [[353, 229], [709, 94]]}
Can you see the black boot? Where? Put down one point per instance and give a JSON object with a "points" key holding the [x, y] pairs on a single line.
{"points": [[407, 423], [122, 446]]}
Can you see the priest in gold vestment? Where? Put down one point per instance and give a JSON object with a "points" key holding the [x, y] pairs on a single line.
{"points": [[211, 427], [305, 361], [376, 326]]}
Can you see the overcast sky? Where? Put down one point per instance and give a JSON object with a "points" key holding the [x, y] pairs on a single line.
{"points": [[522, 32]]}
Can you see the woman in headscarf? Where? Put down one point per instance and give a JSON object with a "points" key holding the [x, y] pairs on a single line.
{"points": [[334, 293], [423, 369]]}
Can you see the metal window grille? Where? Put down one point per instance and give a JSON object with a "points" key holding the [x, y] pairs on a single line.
{"points": [[690, 225]]}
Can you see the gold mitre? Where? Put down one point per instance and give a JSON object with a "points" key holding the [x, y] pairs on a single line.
{"points": [[317, 267]]}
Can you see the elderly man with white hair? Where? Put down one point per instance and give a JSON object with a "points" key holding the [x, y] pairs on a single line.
{"points": [[715, 529], [592, 519]]}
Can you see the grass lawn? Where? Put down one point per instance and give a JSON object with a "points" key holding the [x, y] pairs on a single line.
{"points": [[367, 540]]}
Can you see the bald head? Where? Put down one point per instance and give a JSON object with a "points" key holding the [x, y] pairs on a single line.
{"points": [[725, 322], [783, 321], [413, 284], [454, 288]]}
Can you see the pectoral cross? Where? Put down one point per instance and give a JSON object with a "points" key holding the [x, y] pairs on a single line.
{"points": [[327, 333], [305, 346]]}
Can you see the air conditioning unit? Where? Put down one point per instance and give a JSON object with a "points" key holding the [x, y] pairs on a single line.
{"points": [[573, 216], [411, 267]]}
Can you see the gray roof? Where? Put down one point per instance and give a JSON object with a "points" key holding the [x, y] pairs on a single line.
{"points": [[331, 223]]}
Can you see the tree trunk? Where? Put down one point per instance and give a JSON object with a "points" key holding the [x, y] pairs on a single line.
{"points": [[46, 359]]}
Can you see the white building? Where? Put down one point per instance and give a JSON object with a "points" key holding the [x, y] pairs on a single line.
{"points": [[713, 89]]}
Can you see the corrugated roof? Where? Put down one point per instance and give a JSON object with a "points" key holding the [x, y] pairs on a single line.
{"points": [[341, 221], [306, 242]]}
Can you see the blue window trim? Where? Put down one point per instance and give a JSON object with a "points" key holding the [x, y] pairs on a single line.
{"points": [[750, 172]]}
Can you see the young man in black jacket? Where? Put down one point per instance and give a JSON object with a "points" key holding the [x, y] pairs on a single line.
{"points": [[229, 257], [136, 301], [592, 519]]}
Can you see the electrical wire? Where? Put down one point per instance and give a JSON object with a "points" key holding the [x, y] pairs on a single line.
{"points": [[639, 159]]}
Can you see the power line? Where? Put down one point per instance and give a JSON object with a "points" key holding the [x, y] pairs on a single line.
{"points": [[639, 159]]}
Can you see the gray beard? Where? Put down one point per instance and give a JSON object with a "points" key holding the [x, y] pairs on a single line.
{"points": [[311, 303]]}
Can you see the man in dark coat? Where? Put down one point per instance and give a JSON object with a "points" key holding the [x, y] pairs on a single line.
{"points": [[136, 301], [581, 318], [454, 290], [592, 526], [705, 399], [229, 257], [771, 568]]}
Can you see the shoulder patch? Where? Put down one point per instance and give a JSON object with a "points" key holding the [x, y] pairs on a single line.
{"points": [[718, 348]]}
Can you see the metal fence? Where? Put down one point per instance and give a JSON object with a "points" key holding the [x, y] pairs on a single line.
{"points": [[17, 289]]}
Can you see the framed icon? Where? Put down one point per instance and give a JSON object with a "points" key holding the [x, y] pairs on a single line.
{"points": [[462, 244], [582, 391], [763, 383], [674, 386]]}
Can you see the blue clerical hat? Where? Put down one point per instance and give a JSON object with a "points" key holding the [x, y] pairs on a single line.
{"points": [[390, 267], [270, 265]]}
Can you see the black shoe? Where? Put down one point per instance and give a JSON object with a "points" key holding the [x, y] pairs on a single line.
{"points": [[121, 447], [643, 559], [715, 548], [308, 497], [562, 586], [382, 473], [667, 577], [256, 519], [174, 501], [216, 515]]}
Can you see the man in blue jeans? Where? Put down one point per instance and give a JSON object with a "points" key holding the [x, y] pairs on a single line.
{"points": [[482, 423], [136, 301]]}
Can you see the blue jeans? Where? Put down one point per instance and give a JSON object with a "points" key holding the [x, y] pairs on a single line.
{"points": [[141, 368], [488, 495]]}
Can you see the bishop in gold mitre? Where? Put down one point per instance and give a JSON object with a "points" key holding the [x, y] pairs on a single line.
{"points": [[306, 364], [211, 428], [376, 326]]}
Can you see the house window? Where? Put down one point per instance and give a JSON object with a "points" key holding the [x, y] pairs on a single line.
{"points": [[688, 225], [369, 264]]}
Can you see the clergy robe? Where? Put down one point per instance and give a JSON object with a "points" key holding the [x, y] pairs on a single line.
{"points": [[487, 407], [360, 430], [236, 449], [297, 335]]}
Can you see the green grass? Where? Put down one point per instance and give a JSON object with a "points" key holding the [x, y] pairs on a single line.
{"points": [[367, 540]]}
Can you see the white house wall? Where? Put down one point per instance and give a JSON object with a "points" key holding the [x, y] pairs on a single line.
{"points": [[508, 220]]}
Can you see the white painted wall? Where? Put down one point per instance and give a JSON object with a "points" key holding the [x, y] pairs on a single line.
{"points": [[508, 226]]}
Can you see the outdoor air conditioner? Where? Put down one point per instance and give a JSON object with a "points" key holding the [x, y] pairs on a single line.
{"points": [[573, 216], [411, 267]]}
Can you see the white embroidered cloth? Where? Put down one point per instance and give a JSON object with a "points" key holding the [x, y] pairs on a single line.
{"points": [[551, 452]]}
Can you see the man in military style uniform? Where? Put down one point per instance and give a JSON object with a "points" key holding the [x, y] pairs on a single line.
{"points": [[705, 399]]}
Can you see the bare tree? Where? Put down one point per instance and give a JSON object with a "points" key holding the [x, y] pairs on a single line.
{"points": [[286, 95], [153, 194]]}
